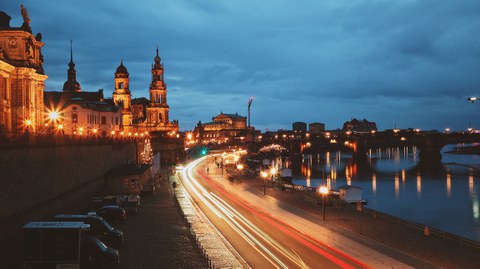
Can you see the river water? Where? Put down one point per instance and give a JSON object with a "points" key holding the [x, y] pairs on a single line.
{"points": [[447, 200]]}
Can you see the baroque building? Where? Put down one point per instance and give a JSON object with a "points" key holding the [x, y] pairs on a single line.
{"points": [[222, 129], [81, 113], [122, 96], [21, 77], [139, 115]]}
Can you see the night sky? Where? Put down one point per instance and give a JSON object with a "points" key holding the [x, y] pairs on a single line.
{"points": [[403, 63]]}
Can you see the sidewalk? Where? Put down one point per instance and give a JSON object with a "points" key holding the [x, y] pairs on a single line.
{"points": [[157, 236], [378, 242]]}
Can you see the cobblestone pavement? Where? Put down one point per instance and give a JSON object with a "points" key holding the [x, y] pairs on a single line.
{"points": [[158, 237]]}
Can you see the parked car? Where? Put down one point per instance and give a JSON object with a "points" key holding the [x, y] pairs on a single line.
{"points": [[98, 255], [58, 244], [99, 227], [112, 213]]}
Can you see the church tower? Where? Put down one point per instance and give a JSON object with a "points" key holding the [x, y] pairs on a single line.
{"points": [[122, 95], [157, 110], [71, 85]]}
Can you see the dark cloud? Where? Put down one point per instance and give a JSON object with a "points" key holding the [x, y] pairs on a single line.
{"points": [[410, 63]]}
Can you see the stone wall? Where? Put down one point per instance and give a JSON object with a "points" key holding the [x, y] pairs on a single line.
{"points": [[32, 176]]}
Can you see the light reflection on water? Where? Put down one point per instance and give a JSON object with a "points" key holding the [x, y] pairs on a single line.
{"points": [[449, 201]]}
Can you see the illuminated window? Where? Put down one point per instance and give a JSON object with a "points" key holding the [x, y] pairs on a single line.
{"points": [[74, 118]]}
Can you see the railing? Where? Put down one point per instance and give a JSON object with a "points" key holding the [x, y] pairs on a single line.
{"points": [[313, 199], [427, 230]]}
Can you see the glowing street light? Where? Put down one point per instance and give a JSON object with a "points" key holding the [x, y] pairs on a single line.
{"points": [[53, 115], [323, 192], [264, 176], [472, 99]]}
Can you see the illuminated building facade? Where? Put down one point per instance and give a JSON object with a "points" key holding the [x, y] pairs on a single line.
{"points": [[223, 128], [145, 115], [81, 113], [122, 96], [21, 77]]}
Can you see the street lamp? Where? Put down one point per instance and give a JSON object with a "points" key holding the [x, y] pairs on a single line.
{"points": [[323, 192], [264, 176], [472, 99]]}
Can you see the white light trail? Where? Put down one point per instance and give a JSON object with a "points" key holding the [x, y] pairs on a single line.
{"points": [[237, 221]]}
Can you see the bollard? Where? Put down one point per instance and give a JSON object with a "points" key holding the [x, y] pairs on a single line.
{"points": [[426, 231], [359, 206]]}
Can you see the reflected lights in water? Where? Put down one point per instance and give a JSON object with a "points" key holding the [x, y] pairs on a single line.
{"points": [[374, 184], [397, 187], [419, 185], [403, 177], [449, 184], [470, 184]]}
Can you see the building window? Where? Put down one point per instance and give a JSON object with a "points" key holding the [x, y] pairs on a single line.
{"points": [[74, 118], [116, 120], [104, 120], [120, 85]]}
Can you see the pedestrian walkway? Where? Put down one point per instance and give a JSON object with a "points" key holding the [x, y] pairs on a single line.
{"points": [[158, 237]]}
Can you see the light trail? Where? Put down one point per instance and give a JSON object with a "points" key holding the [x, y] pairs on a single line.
{"points": [[250, 232], [229, 215]]}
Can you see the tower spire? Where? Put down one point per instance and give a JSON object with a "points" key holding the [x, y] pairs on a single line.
{"points": [[71, 51], [71, 84]]}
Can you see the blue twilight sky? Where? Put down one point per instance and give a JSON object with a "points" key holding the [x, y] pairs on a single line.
{"points": [[409, 63]]}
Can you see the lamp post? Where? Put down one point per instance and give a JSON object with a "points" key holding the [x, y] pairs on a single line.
{"points": [[323, 192], [264, 176]]}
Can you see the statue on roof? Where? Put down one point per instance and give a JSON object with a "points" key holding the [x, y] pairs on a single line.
{"points": [[26, 19]]}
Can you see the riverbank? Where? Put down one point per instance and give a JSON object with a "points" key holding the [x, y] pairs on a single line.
{"points": [[471, 150], [397, 240]]}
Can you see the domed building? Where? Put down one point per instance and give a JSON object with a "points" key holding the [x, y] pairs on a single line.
{"points": [[122, 96], [151, 114]]}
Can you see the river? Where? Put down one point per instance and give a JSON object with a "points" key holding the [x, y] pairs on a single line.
{"points": [[447, 200]]}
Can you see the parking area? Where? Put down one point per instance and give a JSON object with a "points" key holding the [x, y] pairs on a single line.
{"points": [[157, 236]]}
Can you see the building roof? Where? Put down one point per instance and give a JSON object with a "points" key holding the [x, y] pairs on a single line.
{"points": [[121, 69], [90, 100], [233, 116], [346, 187], [140, 101]]}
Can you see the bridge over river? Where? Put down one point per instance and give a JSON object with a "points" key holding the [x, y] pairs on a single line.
{"points": [[428, 143]]}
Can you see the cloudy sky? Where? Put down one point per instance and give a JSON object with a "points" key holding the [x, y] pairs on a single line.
{"points": [[403, 63]]}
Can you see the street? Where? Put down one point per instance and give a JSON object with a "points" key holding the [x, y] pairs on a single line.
{"points": [[262, 239]]}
